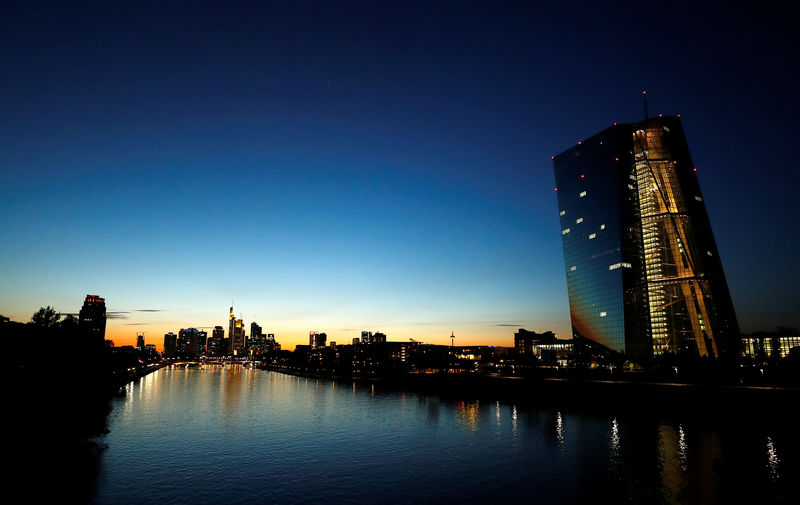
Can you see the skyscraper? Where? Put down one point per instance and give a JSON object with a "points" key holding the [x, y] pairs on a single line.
{"points": [[236, 334], [317, 339], [643, 271], [92, 317], [170, 345]]}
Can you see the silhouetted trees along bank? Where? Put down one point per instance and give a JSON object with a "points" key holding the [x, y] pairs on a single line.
{"points": [[61, 382]]}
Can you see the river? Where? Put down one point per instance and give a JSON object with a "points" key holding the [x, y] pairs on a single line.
{"points": [[234, 435]]}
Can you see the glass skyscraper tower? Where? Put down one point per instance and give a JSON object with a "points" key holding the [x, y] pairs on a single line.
{"points": [[643, 272]]}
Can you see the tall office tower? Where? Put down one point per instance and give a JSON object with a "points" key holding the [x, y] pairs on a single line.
{"points": [[317, 339], [170, 345], [140, 341], [236, 335], [366, 337], [202, 342], [92, 317], [231, 327], [255, 330], [214, 344], [219, 331], [189, 341], [643, 271]]}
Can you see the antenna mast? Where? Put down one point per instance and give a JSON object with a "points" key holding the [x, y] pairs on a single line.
{"points": [[644, 97]]}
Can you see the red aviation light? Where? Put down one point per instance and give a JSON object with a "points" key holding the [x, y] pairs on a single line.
{"points": [[556, 189], [660, 115], [615, 124], [552, 157], [579, 142], [694, 170], [581, 176], [679, 115], [674, 162], [616, 159]]}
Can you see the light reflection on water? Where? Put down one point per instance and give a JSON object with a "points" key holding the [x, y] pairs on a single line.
{"points": [[179, 435]]}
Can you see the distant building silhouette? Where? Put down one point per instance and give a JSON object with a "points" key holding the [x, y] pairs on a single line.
{"points": [[170, 345], [525, 341], [92, 318], [215, 346], [317, 339], [643, 272], [140, 341]]}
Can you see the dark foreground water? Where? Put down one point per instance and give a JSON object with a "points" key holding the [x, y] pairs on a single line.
{"points": [[232, 435]]}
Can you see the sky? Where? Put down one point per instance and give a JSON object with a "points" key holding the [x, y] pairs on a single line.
{"points": [[378, 166]]}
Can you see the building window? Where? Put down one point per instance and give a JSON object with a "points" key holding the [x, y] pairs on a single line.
{"points": [[579, 220], [592, 235], [565, 231], [698, 198], [562, 212], [573, 268], [602, 227], [583, 193], [603, 314]]}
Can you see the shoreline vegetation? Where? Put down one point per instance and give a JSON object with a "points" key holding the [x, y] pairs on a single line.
{"points": [[62, 382]]}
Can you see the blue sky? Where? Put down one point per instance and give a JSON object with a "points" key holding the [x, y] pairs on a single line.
{"points": [[360, 166]]}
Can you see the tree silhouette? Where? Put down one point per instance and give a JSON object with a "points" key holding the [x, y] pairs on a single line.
{"points": [[45, 317]]}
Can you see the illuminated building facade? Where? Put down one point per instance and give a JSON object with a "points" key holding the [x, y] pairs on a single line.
{"points": [[643, 271], [236, 334], [92, 317]]}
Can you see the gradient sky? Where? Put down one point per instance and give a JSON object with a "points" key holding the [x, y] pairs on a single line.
{"points": [[382, 166]]}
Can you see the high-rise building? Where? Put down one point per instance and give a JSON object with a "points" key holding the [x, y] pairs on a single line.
{"points": [[92, 317], [140, 341], [215, 343], [643, 271], [236, 334], [170, 345], [255, 330], [317, 339], [189, 341]]}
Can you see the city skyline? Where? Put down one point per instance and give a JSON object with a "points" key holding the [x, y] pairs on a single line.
{"points": [[387, 172]]}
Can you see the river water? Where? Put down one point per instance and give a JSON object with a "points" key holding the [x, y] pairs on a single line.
{"points": [[233, 435]]}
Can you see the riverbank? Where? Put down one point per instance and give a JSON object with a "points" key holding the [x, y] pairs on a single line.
{"points": [[579, 392]]}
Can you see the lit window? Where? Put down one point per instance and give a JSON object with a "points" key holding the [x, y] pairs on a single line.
{"points": [[603, 314], [573, 268], [562, 212], [565, 231], [630, 186], [583, 193], [614, 266], [592, 235], [602, 227], [579, 220], [698, 198], [709, 253]]}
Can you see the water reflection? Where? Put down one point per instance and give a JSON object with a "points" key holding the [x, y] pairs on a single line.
{"points": [[559, 429], [772, 459], [468, 413], [514, 419], [199, 421], [614, 444], [682, 447]]}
